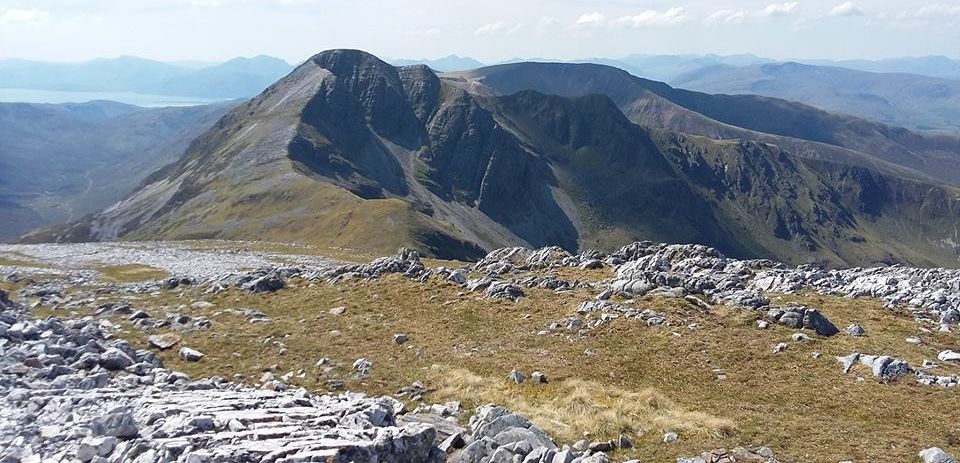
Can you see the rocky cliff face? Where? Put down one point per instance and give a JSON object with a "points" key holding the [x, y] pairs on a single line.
{"points": [[348, 150]]}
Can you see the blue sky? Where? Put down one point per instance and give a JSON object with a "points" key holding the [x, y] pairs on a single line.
{"points": [[490, 30]]}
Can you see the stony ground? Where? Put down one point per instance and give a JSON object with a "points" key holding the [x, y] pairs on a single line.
{"points": [[654, 353]]}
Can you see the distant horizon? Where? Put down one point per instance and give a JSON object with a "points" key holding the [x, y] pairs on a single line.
{"points": [[494, 31], [201, 63]]}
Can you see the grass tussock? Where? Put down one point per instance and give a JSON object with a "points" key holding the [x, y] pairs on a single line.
{"points": [[574, 408], [131, 273], [9, 262]]}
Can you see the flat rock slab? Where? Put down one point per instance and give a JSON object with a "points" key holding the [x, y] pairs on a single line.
{"points": [[164, 341]]}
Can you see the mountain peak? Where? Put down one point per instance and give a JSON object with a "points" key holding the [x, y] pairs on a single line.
{"points": [[346, 58]]}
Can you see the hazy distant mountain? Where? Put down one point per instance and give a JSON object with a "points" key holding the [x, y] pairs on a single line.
{"points": [[934, 66], [655, 67], [60, 162], [445, 64], [350, 151], [907, 100], [666, 67], [237, 78]]}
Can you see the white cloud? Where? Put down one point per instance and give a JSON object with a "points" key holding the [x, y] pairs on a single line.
{"points": [[497, 28], [653, 18], [492, 28], [780, 9], [728, 16], [938, 10], [846, 9], [591, 19], [930, 14], [23, 16], [549, 21]]}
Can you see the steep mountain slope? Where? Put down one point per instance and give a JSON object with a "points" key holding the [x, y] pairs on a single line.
{"points": [[350, 151], [60, 162], [799, 128], [906, 100], [237, 78]]}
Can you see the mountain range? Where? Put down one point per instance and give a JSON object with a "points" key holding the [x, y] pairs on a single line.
{"points": [[61, 162], [239, 77], [668, 67], [348, 150], [445, 64], [908, 100]]}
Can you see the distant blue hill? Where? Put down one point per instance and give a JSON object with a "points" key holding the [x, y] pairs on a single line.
{"points": [[237, 78]]}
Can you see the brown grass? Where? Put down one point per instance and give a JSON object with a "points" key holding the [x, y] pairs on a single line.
{"points": [[131, 273], [9, 262], [573, 408], [642, 380]]}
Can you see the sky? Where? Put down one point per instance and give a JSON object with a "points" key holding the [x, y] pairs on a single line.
{"points": [[488, 30]]}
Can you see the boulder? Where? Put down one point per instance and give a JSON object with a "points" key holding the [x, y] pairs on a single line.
{"points": [[949, 356], [115, 359], [190, 355], [163, 341], [936, 455], [117, 424]]}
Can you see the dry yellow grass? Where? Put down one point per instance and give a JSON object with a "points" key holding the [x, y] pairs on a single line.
{"points": [[130, 273], [20, 262], [573, 408]]}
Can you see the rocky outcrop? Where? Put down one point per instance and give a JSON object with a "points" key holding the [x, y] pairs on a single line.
{"points": [[499, 435], [935, 291], [70, 394], [798, 316]]}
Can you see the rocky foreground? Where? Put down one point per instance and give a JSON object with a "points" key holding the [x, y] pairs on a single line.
{"points": [[71, 391]]}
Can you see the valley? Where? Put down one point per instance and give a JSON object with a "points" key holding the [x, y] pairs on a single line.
{"points": [[62, 162]]}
